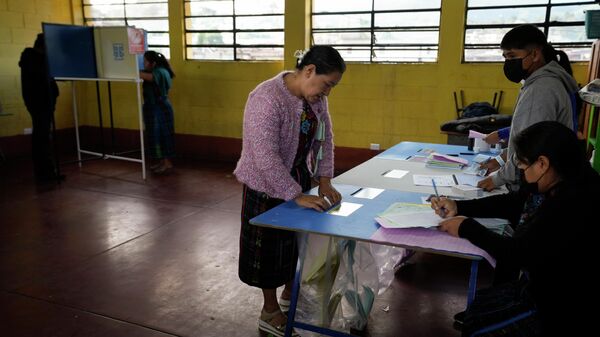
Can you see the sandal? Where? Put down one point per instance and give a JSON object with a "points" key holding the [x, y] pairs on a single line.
{"points": [[266, 324], [284, 304], [155, 166], [163, 170]]}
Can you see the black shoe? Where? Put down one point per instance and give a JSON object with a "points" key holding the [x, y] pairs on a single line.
{"points": [[50, 178], [459, 321], [460, 318]]}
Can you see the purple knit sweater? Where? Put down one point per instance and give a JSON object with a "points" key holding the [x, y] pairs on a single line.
{"points": [[270, 140]]}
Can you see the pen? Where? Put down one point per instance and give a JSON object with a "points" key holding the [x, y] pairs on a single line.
{"points": [[442, 211]]}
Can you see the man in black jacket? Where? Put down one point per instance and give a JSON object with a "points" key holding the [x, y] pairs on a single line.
{"points": [[39, 93]]}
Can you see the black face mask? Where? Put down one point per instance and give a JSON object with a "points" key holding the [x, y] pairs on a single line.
{"points": [[513, 70], [525, 187]]}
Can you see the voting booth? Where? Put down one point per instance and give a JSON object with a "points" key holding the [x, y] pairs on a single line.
{"points": [[99, 54]]}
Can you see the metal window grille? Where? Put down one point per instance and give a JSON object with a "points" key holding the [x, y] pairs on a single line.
{"points": [[379, 30], [234, 29], [151, 15], [561, 20]]}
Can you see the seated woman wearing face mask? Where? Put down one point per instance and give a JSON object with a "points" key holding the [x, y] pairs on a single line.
{"points": [[547, 93], [556, 212]]}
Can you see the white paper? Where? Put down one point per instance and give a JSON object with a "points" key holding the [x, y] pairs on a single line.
{"points": [[474, 169], [480, 158], [368, 193], [408, 215], [440, 180], [467, 179], [476, 135], [395, 174], [410, 220], [345, 209]]}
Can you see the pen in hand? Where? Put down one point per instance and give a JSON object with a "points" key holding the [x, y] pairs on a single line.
{"points": [[442, 210]]}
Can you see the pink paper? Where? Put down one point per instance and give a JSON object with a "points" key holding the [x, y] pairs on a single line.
{"points": [[475, 134], [432, 239]]}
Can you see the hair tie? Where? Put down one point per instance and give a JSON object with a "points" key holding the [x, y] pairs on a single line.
{"points": [[299, 54]]}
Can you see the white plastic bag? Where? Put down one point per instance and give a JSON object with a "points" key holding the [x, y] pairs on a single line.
{"points": [[341, 279]]}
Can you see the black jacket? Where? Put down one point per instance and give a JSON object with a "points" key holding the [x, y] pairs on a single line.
{"points": [[556, 245], [38, 89]]}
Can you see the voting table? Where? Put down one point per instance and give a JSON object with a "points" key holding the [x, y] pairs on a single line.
{"points": [[360, 224]]}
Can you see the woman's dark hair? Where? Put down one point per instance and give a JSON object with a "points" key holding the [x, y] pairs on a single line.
{"points": [[555, 141], [529, 36], [160, 61], [325, 58]]}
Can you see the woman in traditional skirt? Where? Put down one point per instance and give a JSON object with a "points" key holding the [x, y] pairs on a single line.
{"points": [[158, 112], [287, 140]]}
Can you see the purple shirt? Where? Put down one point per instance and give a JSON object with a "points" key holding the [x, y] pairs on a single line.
{"points": [[270, 140]]}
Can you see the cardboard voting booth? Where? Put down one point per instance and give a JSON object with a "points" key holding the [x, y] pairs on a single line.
{"points": [[94, 52], [108, 54]]}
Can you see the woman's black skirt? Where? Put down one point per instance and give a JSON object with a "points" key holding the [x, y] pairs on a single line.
{"points": [[268, 256]]}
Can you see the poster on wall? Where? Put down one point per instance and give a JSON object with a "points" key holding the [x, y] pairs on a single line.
{"points": [[137, 40]]}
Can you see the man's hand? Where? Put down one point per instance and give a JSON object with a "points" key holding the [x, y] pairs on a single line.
{"points": [[487, 184], [492, 138]]}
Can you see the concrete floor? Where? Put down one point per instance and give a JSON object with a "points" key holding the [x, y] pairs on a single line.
{"points": [[108, 254]]}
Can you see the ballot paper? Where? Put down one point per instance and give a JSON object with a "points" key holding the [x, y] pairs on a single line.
{"points": [[440, 180], [409, 215]]}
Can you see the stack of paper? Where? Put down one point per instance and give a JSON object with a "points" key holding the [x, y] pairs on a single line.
{"points": [[438, 160], [407, 215]]}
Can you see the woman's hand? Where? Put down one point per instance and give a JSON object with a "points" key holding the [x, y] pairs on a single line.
{"points": [[487, 184], [444, 207], [326, 189], [319, 204], [451, 225]]}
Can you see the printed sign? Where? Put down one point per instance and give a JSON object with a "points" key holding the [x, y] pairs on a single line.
{"points": [[136, 40], [118, 51]]}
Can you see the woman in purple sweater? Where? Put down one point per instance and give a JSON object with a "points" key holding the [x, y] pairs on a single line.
{"points": [[287, 140]]}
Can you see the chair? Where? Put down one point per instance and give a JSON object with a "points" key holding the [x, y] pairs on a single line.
{"points": [[593, 130]]}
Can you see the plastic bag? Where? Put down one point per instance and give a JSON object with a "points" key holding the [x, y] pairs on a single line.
{"points": [[341, 279], [591, 92]]}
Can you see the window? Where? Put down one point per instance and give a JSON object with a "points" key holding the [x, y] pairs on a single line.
{"points": [[561, 20], [379, 30], [234, 29], [151, 15]]}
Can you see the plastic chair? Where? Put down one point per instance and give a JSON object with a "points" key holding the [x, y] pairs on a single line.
{"points": [[592, 136]]}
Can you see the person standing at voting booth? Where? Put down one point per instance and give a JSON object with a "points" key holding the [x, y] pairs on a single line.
{"points": [[39, 94], [287, 139], [158, 111], [554, 243], [547, 94]]}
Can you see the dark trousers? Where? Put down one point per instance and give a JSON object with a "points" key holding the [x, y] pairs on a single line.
{"points": [[41, 144]]}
